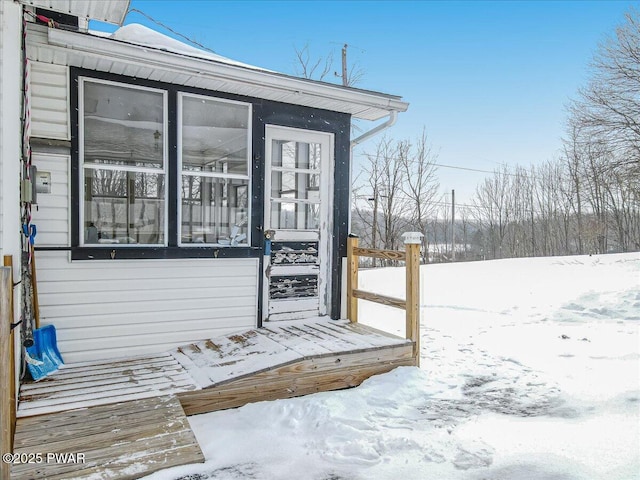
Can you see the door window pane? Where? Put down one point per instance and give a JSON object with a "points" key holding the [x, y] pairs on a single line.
{"points": [[123, 207], [123, 126], [290, 184], [289, 154], [295, 216]]}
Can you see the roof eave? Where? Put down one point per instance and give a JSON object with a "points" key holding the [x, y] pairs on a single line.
{"points": [[359, 103], [110, 11]]}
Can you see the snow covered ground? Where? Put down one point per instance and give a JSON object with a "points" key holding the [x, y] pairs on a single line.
{"points": [[530, 370]]}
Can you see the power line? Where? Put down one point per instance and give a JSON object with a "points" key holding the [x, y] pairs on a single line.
{"points": [[469, 169], [455, 167], [150, 18]]}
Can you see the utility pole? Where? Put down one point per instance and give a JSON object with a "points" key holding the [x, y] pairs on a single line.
{"points": [[374, 232], [453, 225], [345, 80]]}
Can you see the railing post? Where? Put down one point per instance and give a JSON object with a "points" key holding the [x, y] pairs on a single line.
{"points": [[6, 291], [352, 278], [412, 241]]}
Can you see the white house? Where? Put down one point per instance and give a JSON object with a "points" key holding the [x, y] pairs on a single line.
{"points": [[182, 194]]}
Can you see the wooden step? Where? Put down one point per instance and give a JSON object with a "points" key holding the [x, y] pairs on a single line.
{"points": [[119, 441]]}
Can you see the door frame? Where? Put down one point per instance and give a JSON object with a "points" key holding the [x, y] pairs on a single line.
{"points": [[277, 132]]}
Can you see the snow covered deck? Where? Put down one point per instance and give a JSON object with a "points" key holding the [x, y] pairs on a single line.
{"points": [[120, 414], [122, 441], [287, 359]]}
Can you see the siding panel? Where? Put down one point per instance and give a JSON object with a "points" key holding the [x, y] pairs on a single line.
{"points": [[107, 309], [157, 318], [49, 100]]}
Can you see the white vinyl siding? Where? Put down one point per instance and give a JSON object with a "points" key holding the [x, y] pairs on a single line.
{"points": [[51, 216], [109, 309], [49, 100]]}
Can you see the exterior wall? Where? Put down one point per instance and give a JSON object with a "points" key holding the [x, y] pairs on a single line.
{"points": [[109, 309]]}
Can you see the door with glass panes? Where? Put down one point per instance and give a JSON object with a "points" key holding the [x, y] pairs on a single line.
{"points": [[298, 186]]}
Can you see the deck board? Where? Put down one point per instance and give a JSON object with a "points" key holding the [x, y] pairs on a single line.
{"points": [[216, 361], [122, 440], [102, 383]]}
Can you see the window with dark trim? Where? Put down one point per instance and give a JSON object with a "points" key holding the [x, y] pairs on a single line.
{"points": [[123, 156], [125, 169], [214, 141]]}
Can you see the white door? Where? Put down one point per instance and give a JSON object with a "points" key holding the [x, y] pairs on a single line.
{"points": [[298, 203]]}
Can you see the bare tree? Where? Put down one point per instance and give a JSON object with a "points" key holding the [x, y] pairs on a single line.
{"points": [[421, 183], [313, 68], [608, 109], [309, 66], [492, 209]]}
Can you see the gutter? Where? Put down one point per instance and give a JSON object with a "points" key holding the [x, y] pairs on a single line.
{"points": [[393, 117]]}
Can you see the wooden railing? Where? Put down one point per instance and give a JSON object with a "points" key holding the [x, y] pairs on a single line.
{"points": [[411, 303], [7, 382]]}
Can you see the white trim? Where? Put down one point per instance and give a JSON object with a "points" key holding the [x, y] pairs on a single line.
{"points": [[82, 166], [76, 48], [324, 234], [181, 173]]}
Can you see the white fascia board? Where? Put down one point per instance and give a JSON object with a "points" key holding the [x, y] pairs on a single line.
{"points": [[344, 98], [110, 11]]}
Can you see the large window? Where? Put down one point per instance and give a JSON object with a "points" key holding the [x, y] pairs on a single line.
{"points": [[127, 158], [214, 146], [123, 151]]}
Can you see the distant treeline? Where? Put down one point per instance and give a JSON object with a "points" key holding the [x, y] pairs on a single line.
{"points": [[586, 201]]}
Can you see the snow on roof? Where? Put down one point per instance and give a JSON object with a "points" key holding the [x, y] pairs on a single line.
{"points": [[137, 34], [135, 50]]}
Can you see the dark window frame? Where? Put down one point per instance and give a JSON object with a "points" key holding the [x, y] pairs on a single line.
{"points": [[172, 249]]}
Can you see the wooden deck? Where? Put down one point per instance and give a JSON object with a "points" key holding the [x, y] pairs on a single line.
{"points": [[87, 384], [106, 409], [121, 441]]}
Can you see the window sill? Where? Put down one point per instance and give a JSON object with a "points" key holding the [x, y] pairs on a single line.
{"points": [[138, 253]]}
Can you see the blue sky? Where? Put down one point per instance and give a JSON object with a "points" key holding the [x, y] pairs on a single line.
{"points": [[488, 80]]}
